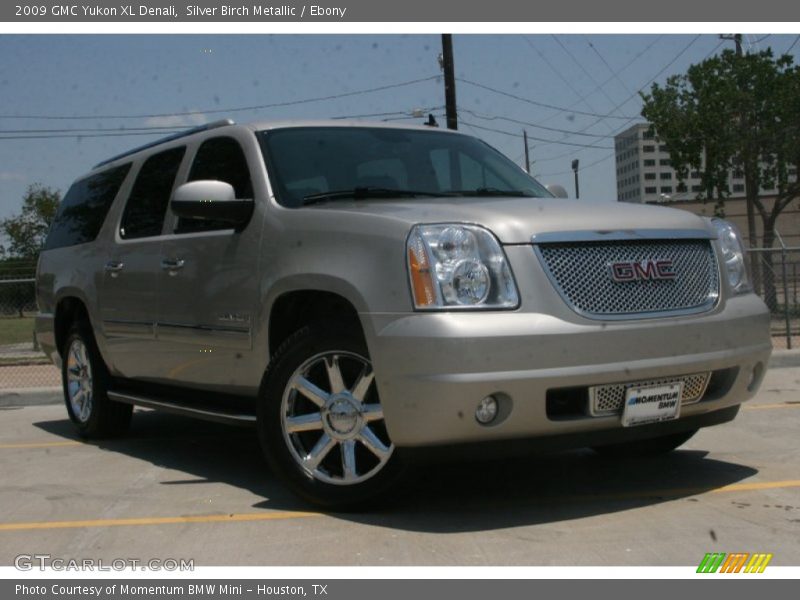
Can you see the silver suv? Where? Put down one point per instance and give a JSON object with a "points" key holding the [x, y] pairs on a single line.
{"points": [[359, 291]]}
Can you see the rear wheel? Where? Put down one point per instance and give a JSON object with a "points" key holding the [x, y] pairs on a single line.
{"points": [[321, 422], [648, 447], [85, 381]]}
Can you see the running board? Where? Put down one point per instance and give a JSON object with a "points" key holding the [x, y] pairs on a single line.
{"points": [[179, 408]]}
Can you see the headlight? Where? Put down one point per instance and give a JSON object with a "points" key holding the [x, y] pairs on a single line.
{"points": [[458, 267], [733, 256]]}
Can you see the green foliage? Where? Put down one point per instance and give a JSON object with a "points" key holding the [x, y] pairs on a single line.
{"points": [[733, 112], [28, 230]]}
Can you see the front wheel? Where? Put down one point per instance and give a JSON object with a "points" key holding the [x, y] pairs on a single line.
{"points": [[320, 420]]}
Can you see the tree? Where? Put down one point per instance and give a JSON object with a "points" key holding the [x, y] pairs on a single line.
{"points": [[28, 230], [735, 111]]}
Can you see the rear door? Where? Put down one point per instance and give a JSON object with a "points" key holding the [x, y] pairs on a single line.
{"points": [[207, 283], [127, 299]]}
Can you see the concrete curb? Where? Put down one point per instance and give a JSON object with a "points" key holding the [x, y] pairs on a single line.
{"points": [[782, 359], [31, 397], [24, 391]]}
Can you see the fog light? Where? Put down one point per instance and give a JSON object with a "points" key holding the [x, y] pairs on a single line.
{"points": [[486, 411]]}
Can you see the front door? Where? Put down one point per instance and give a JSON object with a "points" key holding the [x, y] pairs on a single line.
{"points": [[208, 285]]}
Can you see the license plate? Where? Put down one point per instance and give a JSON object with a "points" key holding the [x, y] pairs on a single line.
{"points": [[652, 404]]}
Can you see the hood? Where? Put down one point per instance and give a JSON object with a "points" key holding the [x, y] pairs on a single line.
{"points": [[516, 220]]}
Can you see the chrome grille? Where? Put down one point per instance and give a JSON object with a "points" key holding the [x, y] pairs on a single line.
{"points": [[609, 399], [581, 272]]}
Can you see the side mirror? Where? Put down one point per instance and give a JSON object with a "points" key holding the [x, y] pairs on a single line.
{"points": [[557, 190], [211, 200]]}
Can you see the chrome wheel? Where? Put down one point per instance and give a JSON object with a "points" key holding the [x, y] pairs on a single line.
{"points": [[79, 381], [332, 420]]}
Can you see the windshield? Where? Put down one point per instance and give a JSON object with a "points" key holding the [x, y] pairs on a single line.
{"points": [[312, 164]]}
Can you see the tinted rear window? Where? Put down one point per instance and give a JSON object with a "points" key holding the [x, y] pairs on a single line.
{"points": [[82, 212]]}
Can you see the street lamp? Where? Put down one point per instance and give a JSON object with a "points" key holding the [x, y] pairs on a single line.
{"points": [[575, 164]]}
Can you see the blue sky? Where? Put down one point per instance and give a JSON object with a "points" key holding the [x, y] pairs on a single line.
{"points": [[116, 75]]}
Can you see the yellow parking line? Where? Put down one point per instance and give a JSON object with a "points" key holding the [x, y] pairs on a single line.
{"points": [[40, 445], [762, 485], [768, 406], [231, 518]]}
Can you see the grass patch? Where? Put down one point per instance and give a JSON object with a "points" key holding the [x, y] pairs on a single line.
{"points": [[15, 330]]}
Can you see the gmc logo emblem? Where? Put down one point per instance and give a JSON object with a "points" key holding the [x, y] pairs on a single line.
{"points": [[652, 269]]}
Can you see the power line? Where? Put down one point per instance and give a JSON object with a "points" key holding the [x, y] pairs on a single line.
{"points": [[608, 66], [536, 103], [81, 130], [519, 135], [794, 43], [608, 156], [634, 94], [581, 67], [83, 135], [402, 113], [759, 40], [582, 99], [613, 75], [230, 110], [39, 134], [486, 117]]}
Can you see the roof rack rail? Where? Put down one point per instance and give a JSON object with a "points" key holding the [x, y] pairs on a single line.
{"points": [[169, 138]]}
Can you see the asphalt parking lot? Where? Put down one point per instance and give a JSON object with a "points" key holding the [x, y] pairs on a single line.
{"points": [[178, 488]]}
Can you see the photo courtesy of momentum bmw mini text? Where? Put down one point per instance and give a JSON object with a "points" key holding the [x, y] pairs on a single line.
{"points": [[297, 299]]}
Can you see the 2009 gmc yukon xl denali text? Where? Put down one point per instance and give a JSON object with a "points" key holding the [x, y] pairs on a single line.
{"points": [[356, 291]]}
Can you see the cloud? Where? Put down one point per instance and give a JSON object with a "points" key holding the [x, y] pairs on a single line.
{"points": [[11, 176], [196, 118]]}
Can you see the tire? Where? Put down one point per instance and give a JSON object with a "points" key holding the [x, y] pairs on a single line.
{"points": [[648, 447], [84, 378], [320, 421]]}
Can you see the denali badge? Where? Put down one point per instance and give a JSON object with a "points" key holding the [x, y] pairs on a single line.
{"points": [[645, 269]]}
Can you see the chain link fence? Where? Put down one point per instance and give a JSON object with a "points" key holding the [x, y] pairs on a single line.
{"points": [[22, 363], [776, 278]]}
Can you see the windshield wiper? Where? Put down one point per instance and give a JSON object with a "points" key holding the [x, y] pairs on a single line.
{"points": [[490, 191], [359, 193]]}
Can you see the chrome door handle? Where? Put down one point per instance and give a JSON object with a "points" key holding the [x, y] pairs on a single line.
{"points": [[113, 267], [172, 264]]}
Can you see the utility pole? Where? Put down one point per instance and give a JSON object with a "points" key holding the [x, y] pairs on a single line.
{"points": [[527, 155], [575, 165], [750, 182], [449, 81]]}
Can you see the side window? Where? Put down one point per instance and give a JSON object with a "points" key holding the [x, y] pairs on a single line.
{"points": [[220, 159], [147, 204], [83, 210]]}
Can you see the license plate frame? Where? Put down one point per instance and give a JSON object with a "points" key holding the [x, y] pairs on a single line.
{"points": [[645, 405]]}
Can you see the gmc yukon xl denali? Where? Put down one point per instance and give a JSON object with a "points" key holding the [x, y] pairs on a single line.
{"points": [[356, 291]]}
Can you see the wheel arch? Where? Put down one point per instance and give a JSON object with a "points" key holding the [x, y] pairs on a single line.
{"points": [[70, 307], [292, 310]]}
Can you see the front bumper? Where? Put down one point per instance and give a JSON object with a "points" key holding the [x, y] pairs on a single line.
{"points": [[432, 369]]}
